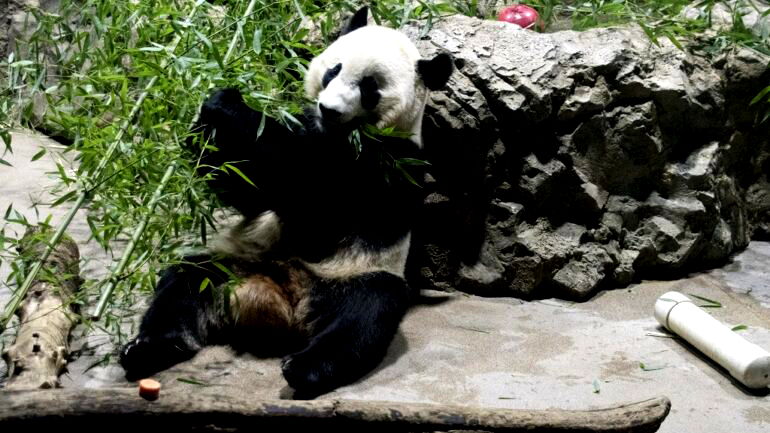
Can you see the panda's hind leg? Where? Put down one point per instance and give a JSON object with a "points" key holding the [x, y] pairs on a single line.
{"points": [[181, 319], [353, 323]]}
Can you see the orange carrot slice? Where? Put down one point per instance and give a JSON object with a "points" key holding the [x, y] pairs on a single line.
{"points": [[149, 389]]}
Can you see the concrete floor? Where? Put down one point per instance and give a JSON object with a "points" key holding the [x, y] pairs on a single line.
{"points": [[507, 353]]}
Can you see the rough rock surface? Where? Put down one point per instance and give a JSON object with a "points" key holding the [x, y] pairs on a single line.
{"points": [[569, 161], [14, 20], [7, 7]]}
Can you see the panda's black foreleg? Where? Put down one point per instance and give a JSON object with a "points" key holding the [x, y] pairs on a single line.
{"points": [[181, 319], [354, 323]]}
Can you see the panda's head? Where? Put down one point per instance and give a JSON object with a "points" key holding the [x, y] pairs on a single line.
{"points": [[374, 74]]}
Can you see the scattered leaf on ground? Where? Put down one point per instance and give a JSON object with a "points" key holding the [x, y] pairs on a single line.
{"points": [[192, 381], [660, 335], [709, 303], [651, 367], [474, 329]]}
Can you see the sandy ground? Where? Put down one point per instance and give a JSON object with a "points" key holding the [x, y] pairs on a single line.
{"points": [[502, 352]]}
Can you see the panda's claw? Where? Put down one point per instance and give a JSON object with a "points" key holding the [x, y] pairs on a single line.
{"points": [[143, 357], [307, 375]]}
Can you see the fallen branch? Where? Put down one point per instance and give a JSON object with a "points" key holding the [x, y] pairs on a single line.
{"points": [[39, 353], [122, 409]]}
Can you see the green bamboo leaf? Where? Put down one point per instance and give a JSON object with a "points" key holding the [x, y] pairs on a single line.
{"points": [[426, 27], [239, 173], [204, 284], [739, 328], [651, 367], [4, 162], [406, 175], [256, 41], [710, 303], [760, 95], [192, 381], [21, 63], [210, 47], [261, 127], [124, 92], [64, 198], [38, 155], [6, 136], [650, 34], [62, 173], [156, 68], [674, 41], [95, 232], [355, 140], [291, 118], [224, 269], [412, 161]]}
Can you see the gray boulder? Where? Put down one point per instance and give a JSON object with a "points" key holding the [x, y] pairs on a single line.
{"points": [[571, 161]]}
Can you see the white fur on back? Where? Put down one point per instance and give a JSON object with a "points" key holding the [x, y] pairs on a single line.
{"points": [[391, 58], [357, 260]]}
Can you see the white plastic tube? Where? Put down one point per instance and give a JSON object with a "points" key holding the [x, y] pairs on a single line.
{"points": [[747, 362]]}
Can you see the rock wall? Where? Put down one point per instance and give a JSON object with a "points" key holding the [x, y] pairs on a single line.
{"points": [[7, 9], [14, 20], [571, 161]]}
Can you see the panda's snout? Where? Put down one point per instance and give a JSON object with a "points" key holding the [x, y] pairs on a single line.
{"points": [[329, 115]]}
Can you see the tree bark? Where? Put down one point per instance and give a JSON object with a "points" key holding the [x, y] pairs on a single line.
{"points": [[47, 315], [122, 409]]}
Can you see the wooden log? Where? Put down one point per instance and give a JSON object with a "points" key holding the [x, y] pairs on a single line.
{"points": [[121, 409], [39, 354]]}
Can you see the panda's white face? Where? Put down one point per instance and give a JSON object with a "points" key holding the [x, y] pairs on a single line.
{"points": [[369, 73]]}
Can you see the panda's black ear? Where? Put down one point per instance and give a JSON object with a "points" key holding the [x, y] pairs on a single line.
{"points": [[360, 19], [436, 71]]}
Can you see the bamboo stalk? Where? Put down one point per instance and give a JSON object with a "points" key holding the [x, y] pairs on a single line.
{"points": [[238, 31], [105, 296], [126, 256], [21, 292]]}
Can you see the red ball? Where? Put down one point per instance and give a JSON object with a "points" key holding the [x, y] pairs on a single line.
{"points": [[521, 15]]}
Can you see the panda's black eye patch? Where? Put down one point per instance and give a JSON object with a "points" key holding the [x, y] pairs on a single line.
{"points": [[370, 92], [330, 74]]}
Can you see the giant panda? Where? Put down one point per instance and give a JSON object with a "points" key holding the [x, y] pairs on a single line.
{"points": [[314, 271]]}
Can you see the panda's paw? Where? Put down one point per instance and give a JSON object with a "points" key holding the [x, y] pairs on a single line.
{"points": [[143, 357], [307, 375]]}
